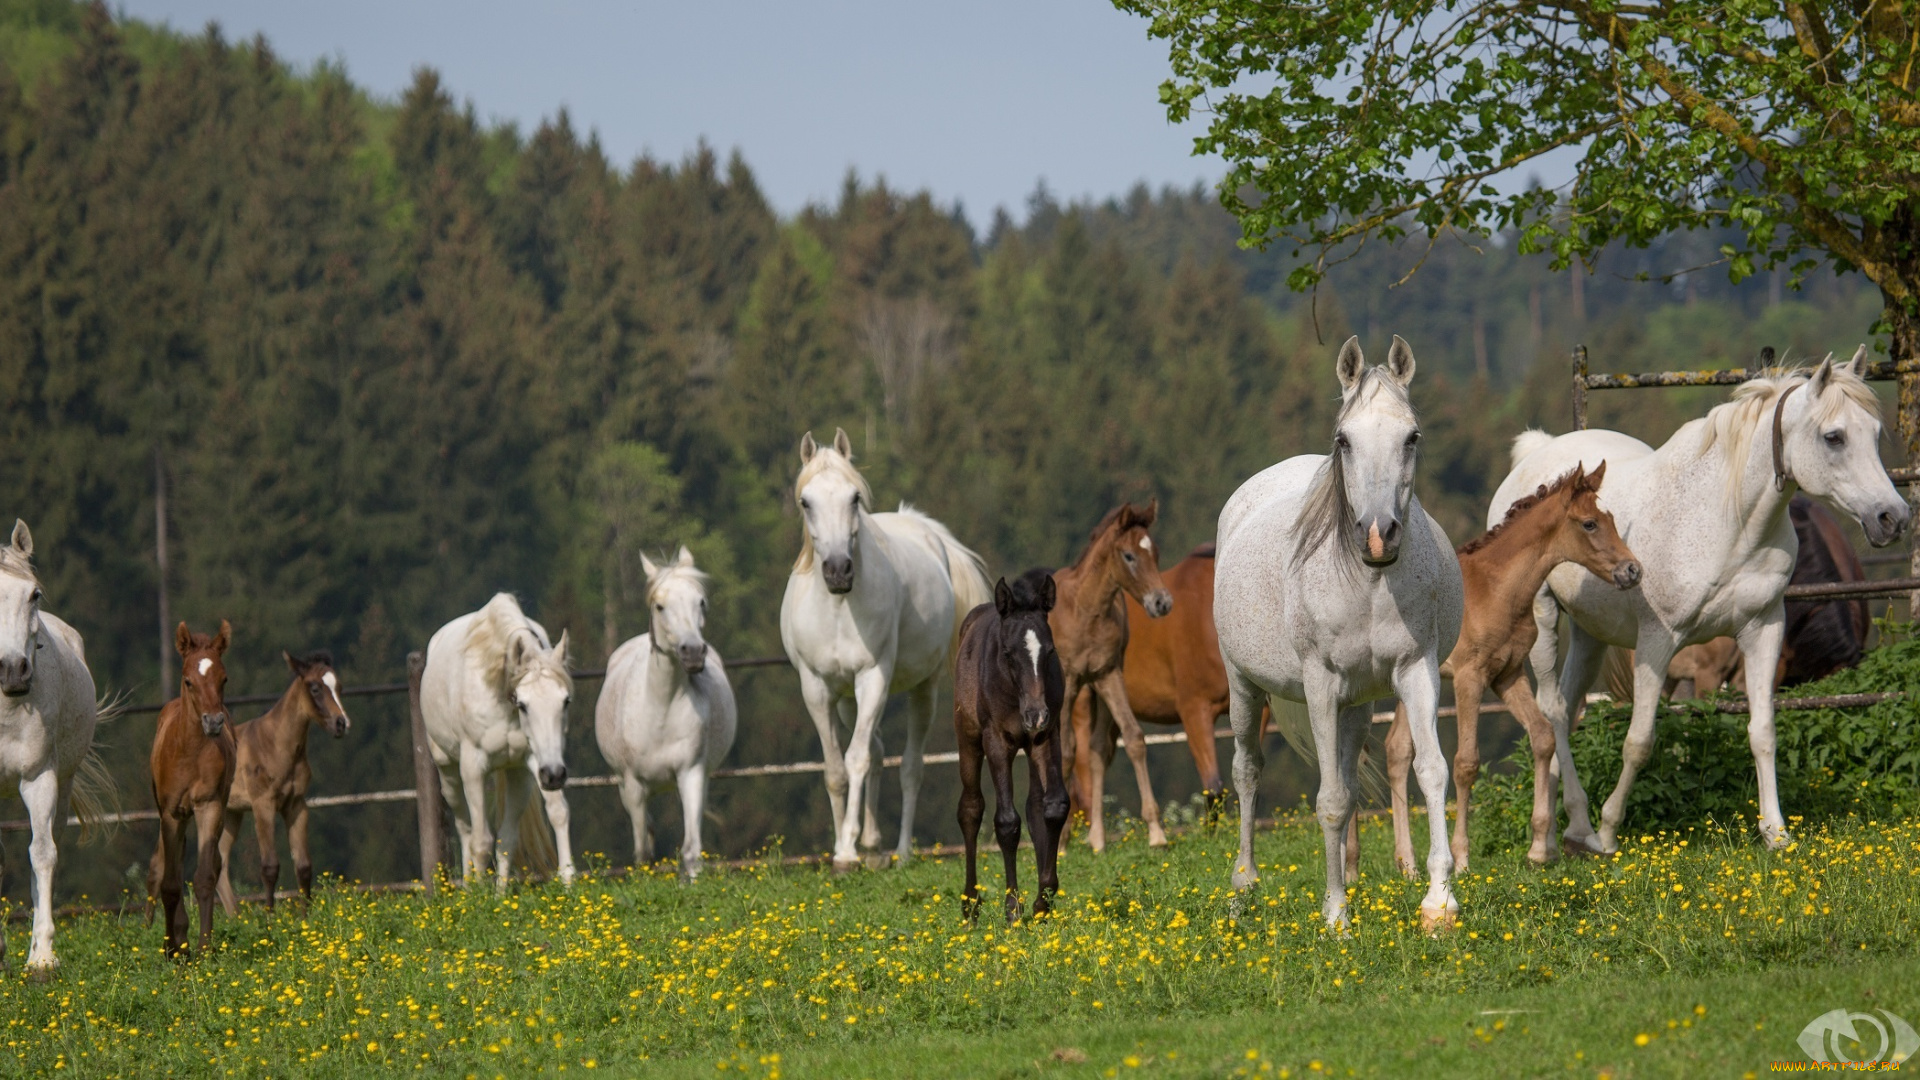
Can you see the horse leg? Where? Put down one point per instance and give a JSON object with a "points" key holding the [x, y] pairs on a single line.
{"points": [[1196, 719], [1338, 752], [870, 804], [1760, 643], [1099, 753], [1046, 817], [229, 828], [1245, 703], [477, 837], [1006, 818], [453, 794], [972, 807], [171, 840], [920, 705], [519, 784], [1520, 702], [1113, 692], [870, 699], [633, 794], [297, 844], [42, 797], [1468, 686], [560, 816], [1584, 654], [156, 866], [264, 813], [1076, 752], [1419, 689], [207, 819], [1651, 656], [693, 803], [818, 698], [1399, 762]]}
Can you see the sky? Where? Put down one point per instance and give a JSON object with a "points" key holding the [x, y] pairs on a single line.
{"points": [[975, 100]]}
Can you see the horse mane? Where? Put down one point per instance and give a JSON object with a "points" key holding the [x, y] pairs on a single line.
{"points": [[670, 570], [491, 634], [317, 656], [1326, 509], [12, 562], [1734, 423], [1520, 506], [1099, 530], [825, 459]]}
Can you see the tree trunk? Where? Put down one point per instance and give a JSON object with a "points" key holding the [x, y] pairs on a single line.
{"points": [[1904, 326]]}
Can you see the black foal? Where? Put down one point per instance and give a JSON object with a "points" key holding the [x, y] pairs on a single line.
{"points": [[1006, 698]]}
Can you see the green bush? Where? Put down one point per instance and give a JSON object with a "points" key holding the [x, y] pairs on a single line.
{"points": [[1831, 762]]}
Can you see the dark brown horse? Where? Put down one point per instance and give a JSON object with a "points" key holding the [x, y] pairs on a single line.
{"points": [[271, 776], [1173, 672], [192, 763], [1090, 627], [1007, 693]]}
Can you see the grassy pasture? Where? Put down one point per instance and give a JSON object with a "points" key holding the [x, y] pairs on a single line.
{"points": [[1686, 951]]}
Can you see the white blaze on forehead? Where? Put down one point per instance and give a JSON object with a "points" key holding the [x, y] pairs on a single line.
{"points": [[333, 687], [205, 665], [1146, 543], [1033, 650]]}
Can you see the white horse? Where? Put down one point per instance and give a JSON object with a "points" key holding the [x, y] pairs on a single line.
{"points": [[872, 608], [666, 713], [1333, 587], [47, 716], [494, 699], [1707, 514]]}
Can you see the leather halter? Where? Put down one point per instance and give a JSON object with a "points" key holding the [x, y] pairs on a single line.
{"points": [[1780, 476]]}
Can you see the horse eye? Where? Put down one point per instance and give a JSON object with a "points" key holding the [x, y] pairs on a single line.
{"points": [[1413, 439], [805, 505], [1590, 525], [1340, 440], [1836, 439], [1127, 555], [35, 597]]}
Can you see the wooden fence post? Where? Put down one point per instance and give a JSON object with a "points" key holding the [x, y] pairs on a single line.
{"points": [[1579, 387], [426, 782]]}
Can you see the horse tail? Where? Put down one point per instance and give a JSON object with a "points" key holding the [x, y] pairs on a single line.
{"points": [[95, 798], [536, 854], [1290, 719], [1527, 442]]}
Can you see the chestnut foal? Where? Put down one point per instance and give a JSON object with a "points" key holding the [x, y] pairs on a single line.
{"points": [[1503, 570], [1007, 693], [271, 776], [1090, 627], [192, 762]]}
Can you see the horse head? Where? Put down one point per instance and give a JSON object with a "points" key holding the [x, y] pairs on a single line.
{"points": [[203, 675], [1122, 543], [677, 595], [1828, 443], [542, 688], [1587, 534], [1024, 653], [834, 499], [1375, 448], [19, 613], [315, 670]]}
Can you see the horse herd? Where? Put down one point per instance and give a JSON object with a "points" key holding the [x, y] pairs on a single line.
{"points": [[1328, 584]]}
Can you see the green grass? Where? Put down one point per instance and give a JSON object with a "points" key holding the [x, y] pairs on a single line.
{"points": [[1714, 949]]}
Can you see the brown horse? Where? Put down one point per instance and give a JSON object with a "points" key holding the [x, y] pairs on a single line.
{"points": [[271, 776], [1173, 672], [192, 763], [1090, 630], [1007, 694], [1503, 570]]}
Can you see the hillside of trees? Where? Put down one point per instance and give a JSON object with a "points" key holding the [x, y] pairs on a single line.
{"points": [[384, 360]]}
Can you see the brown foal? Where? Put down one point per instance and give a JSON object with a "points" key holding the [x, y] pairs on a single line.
{"points": [[192, 766], [1503, 570], [272, 774], [1089, 624]]}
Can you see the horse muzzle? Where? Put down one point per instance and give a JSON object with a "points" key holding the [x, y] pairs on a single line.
{"points": [[1035, 722], [1626, 575], [1158, 603], [838, 573], [694, 658], [16, 676], [1379, 541], [1886, 526], [339, 725], [553, 777], [212, 723]]}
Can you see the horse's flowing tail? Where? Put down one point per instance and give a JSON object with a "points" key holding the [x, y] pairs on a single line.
{"points": [[1527, 442], [966, 570], [94, 796], [537, 854], [1291, 721]]}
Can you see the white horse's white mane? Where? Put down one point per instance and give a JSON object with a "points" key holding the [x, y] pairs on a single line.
{"points": [[1735, 423], [491, 634], [824, 460], [16, 564], [671, 570]]}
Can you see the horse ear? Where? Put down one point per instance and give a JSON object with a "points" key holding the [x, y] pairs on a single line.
{"points": [[1817, 385], [648, 567], [1350, 364], [1594, 477], [22, 539], [841, 444], [1400, 361], [807, 447], [293, 665], [1046, 593], [560, 649], [1145, 518], [1858, 365], [221, 639], [685, 558], [516, 657], [182, 639], [1002, 597]]}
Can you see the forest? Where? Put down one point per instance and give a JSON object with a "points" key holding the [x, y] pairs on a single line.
{"points": [[356, 364]]}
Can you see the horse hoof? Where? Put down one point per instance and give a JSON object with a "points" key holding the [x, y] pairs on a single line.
{"points": [[1438, 920], [1156, 837], [1410, 871], [843, 867], [1244, 877], [876, 860], [1776, 841], [1589, 845]]}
